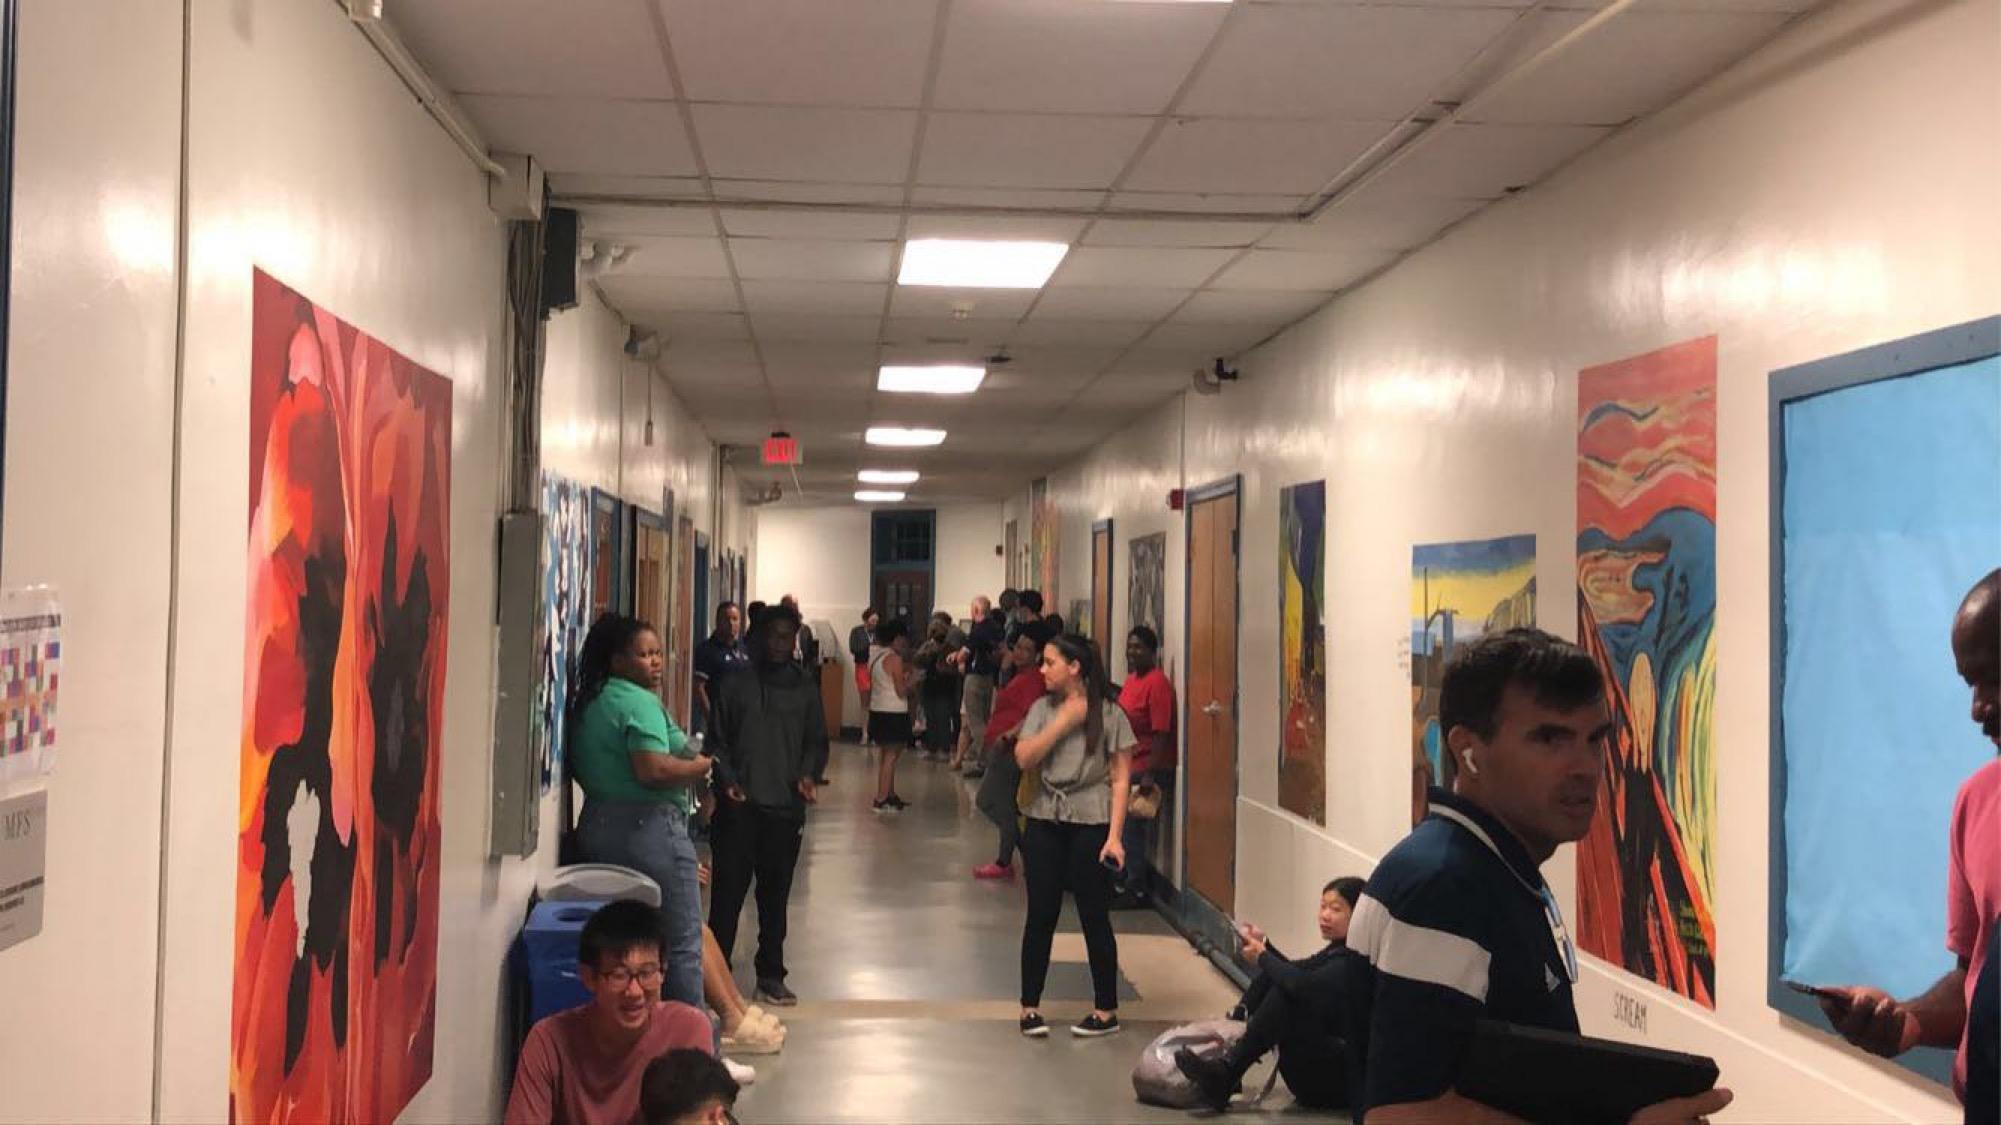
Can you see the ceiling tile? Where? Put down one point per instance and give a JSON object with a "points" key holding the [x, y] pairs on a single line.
{"points": [[1070, 57], [859, 146], [1629, 67], [669, 257], [812, 224], [787, 259], [1351, 61], [789, 359], [1488, 161], [1263, 157], [946, 332], [1158, 267], [1373, 219], [814, 298], [1236, 207], [1120, 302], [595, 136], [1156, 232], [580, 48], [691, 325], [854, 53], [715, 378], [708, 353], [1038, 330], [1068, 361], [793, 191], [614, 220], [941, 302], [670, 293], [1303, 270], [1044, 228], [1197, 344], [1273, 309], [1007, 150], [796, 326], [684, 190]]}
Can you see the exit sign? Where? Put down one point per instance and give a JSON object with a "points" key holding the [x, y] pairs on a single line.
{"points": [[781, 449]]}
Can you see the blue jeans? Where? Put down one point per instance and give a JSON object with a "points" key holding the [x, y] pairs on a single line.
{"points": [[651, 837], [1139, 835]]}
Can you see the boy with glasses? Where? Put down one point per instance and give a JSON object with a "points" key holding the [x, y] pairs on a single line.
{"points": [[584, 1066]]}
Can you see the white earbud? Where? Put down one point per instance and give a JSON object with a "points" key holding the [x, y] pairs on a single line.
{"points": [[1472, 767]]}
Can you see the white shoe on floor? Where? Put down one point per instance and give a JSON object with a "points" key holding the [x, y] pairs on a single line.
{"points": [[742, 1073]]}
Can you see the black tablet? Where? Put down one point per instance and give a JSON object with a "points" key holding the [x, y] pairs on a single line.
{"points": [[1556, 1078]]}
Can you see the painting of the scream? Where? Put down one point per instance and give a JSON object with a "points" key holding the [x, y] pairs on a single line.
{"points": [[1646, 607], [336, 938]]}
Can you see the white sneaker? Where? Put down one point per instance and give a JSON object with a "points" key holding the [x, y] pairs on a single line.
{"points": [[743, 1073]]}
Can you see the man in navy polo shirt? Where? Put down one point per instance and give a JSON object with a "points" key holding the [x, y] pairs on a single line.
{"points": [[1456, 923]]}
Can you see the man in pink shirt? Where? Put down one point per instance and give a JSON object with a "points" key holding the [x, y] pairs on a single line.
{"points": [[1869, 1017], [585, 1066]]}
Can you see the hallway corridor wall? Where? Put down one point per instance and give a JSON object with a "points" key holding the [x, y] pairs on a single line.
{"points": [[1796, 208]]}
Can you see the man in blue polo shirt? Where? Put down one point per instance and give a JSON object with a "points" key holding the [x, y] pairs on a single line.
{"points": [[1456, 924]]}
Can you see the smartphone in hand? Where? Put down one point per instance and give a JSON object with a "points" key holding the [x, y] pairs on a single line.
{"points": [[1817, 992]]}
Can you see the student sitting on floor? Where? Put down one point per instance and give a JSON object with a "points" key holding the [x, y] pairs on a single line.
{"points": [[686, 1087], [583, 1066], [1295, 1007]]}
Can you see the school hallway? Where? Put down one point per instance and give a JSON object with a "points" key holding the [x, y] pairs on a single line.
{"points": [[907, 971]]}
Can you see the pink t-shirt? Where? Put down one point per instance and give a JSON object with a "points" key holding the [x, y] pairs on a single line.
{"points": [[1973, 883], [564, 1078]]}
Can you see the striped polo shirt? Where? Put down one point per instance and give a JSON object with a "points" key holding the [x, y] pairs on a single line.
{"points": [[1455, 925]]}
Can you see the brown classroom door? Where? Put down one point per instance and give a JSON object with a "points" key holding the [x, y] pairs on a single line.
{"points": [[1212, 701]]}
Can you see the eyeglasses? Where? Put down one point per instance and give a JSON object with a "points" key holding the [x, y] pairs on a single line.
{"points": [[618, 976]]}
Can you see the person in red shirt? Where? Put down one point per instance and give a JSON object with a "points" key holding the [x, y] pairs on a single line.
{"points": [[1003, 777], [1871, 1018], [585, 1066], [1148, 701]]}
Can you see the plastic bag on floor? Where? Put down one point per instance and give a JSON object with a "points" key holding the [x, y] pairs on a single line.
{"points": [[1157, 1081]]}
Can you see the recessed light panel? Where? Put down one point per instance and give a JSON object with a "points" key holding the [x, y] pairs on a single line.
{"points": [[937, 379], [898, 436], [964, 263]]}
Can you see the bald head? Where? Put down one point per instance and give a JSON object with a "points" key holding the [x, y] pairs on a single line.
{"points": [[1976, 649]]}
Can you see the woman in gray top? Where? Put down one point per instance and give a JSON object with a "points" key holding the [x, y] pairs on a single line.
{"points": [[1081, 741]]}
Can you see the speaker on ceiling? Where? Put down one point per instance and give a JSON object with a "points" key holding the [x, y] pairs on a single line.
{"points": [[559, 260]]}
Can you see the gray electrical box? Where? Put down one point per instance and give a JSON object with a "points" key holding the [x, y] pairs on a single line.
{"points": [[515, 826]]}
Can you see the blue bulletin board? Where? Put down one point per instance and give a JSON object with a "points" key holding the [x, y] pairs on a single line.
{"points": [[1886, 508]]}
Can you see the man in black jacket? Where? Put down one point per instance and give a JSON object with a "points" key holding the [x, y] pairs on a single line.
{"points": [[769, 741]]}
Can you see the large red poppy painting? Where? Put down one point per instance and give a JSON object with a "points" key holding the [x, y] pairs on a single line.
{"points": [[334, 1004]]}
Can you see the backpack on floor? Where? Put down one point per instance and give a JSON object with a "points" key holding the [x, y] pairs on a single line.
{"points": [[1157, 1081]]}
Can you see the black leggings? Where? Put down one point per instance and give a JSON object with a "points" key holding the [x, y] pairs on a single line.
{"points": [[1310, 1059], [1064, 857]]}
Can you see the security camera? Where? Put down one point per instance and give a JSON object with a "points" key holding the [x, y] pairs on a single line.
{"points": [[1000, 357], [1223, 372], [642, 344]]}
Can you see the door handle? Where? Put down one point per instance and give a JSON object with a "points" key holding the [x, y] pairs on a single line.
{"points": [[1214, 708]]}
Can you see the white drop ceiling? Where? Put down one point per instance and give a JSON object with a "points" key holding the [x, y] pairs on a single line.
{"points": [[1212, 165]]}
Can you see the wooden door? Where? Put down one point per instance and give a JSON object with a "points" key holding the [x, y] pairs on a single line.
{"points": [[1101, 593], [1211, 774], [904, 595]]}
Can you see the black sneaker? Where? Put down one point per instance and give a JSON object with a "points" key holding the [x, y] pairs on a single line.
{"points": [[1212, 1078], [1091, 1027], [774, 993], [1034, 1026], [887, 804], [898, 803]]}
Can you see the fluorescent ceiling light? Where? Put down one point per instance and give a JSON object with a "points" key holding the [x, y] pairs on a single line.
{"points": [[939, 379], [868, 497], [975, 264], [887, 476], [899, 436]]}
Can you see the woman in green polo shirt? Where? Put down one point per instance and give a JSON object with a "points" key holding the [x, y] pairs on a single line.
{"points": [[638, 773]]}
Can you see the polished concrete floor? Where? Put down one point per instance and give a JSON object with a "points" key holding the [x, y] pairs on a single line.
{"points": [[908, 974]]}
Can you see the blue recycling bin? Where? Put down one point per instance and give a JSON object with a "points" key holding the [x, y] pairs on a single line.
{"points": [[545, 959]]}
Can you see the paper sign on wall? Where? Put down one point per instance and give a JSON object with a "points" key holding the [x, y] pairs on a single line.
{"points": [[24, 853], [30, 672]]}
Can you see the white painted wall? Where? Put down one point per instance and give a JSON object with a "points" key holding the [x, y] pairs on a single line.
{"points": [[1791, 208], [821, 555], [360, 202]]}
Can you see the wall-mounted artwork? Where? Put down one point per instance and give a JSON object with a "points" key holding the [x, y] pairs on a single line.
{"points": [[1646, 605], [1014, 571], [1459, 592], [336, 930], [1146, 582], [1886, 509], [1043, 535], [608, 562], [566, 599], [1302, 699], [651, 563]]}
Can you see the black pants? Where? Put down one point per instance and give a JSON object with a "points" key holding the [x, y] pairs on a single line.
{"points": [[750, 843], [1312, 1061], [996, 799], [1059, 858]]}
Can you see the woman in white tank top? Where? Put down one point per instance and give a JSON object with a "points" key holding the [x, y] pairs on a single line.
{"points": [[889, 708]]}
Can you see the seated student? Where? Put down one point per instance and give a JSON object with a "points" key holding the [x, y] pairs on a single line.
{"points": [[1295, 1007], [686, 1087], [583, 1066]]}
